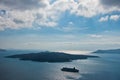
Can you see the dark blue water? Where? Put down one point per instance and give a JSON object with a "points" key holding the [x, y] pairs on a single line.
{"points": [[105, 68]]}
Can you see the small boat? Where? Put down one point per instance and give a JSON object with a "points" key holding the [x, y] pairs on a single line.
{"points": [[69, 69]]}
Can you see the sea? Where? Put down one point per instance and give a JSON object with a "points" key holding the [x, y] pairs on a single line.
{"points": [[107, 67]]}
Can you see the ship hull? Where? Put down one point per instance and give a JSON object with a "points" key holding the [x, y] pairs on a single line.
{"points": [[69, 70]]}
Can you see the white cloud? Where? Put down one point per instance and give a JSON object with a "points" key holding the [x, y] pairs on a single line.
{"points": [[111, 17], [16, 20], [102, 19], [24, 13], [70, 27], [90, 8], [95, 36], [85, 8], [114, 17], [70, 23]]}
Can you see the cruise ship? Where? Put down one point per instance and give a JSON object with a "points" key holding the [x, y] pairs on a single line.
{"points": [[69, 69]]}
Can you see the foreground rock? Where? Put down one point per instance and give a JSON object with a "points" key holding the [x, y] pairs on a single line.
{"points": [[50, 57]]}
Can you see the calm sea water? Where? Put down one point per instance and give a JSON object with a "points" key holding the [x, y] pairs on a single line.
{"points": [[105, 68]]}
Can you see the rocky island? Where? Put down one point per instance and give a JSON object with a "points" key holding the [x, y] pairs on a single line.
{"points": [[2, 50], [50, 57], [110, 51]]}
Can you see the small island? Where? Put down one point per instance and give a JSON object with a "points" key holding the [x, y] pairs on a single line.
{"points": [[50, 57], [110, 51], [2, 50]]}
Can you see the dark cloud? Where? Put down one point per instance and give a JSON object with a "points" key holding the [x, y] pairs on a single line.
{"points": [[18, 21], [111, 2], [22, 4]]}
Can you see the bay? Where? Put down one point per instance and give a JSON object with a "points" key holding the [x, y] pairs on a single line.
{"points": [[103, 68]]}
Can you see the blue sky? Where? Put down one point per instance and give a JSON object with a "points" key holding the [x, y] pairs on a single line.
{"points": [[60, 24]]}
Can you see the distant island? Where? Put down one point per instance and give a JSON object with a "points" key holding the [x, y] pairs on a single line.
{"points": [[2, 50], [110, 51], [50, 57]]}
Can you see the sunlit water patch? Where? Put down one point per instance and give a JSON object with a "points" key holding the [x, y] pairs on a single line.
{"points": [[76, 51]]}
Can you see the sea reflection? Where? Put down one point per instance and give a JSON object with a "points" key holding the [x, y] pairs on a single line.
{"points": [[75, 51], [70, 75]]}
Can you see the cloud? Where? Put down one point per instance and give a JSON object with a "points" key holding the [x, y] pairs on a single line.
{"points": [[111, 17], [15, 18], [71, 27], [70, 23], [46, 19], [95, 36], [15, 14], [109, 3], [115, 17], [18, 21], [102, 19], [22, 4]]}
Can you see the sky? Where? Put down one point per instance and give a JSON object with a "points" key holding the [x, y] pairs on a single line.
{"points": [[60, 24]]}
